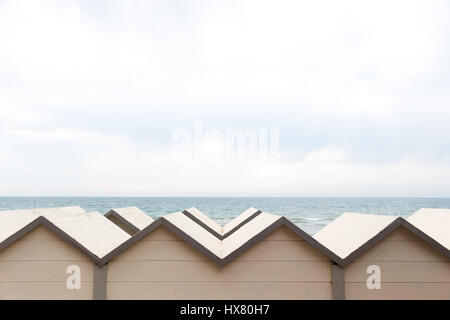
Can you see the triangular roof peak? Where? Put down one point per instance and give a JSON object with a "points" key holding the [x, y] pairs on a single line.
{"points": [[352, 234], [42, 221], [350, 231], [92, 232], [434, 222], [221, 251], [134, 218], [221, 232]]}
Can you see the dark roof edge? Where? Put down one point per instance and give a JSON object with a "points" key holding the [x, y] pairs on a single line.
{"points": [[202, 224], [250, 243], [250, 218], [53, 228], [425, 237], [194, 243], [150, 228], [388, 230], [282, 221], [313, 242], [128, 243], [121, 219], [216, 234]]}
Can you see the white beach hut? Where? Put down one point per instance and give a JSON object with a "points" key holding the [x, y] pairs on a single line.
{"points": [[51, 253], [386, 257], [176, 258]]}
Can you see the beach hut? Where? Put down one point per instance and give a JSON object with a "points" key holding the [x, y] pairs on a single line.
{"points": [[54, 253], [386, 257], [131, 219], [176, 258], [216, 229]]}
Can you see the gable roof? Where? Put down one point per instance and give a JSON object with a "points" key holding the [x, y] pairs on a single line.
{"points": [[349, 231], [223, 251], [259, 228], [248, 231], [352, 234], [42, 221], [240, 220], [434, 222], [13, 220], [91, 232], [216, 229], [342, 241], [133, 217]]}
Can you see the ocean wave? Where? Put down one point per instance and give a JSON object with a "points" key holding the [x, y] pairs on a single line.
{"points": [[313, 219]]}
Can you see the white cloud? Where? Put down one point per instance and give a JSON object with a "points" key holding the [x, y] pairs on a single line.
{"points": [[91, 92], [326, 155]]}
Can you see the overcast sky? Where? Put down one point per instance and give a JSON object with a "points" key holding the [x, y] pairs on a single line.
{"points": [[91, 93]]}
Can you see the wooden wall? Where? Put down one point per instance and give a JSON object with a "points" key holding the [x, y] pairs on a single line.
{"points": [[410, 269], [34, 267], [163, 266]]}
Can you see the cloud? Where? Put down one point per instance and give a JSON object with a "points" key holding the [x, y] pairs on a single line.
{"points": [[90, 94], [66, 162]]}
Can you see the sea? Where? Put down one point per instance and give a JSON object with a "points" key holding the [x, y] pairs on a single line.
{"points": [[310, 214]]}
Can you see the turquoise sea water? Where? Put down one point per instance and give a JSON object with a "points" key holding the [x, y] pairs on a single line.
{"points": [[311, 214]]}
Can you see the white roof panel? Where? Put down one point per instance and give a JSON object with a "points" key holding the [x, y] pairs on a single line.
{"points": [[135, 216], [12, 221], [91, 229], [350, 231], [434, 222], [247, 232], [195, 231], [210, 223], [239, 219], [222, 248], [205, 219]]}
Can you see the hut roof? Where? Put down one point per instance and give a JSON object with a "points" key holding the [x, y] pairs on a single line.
{"points": [[240, 220], [247, 232], [13, 220], [195, 231], [344, 239], [221, 251], [352, 234], [216, 229], [133, 217], [350, 231], [434, 222], [91, 230]]}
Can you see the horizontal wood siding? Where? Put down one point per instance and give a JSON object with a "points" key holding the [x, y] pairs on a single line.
{"points": [[34, 267], [209, 271], [410, 269], [163, 266], [219, 290], [399, 291], [44, 291]]}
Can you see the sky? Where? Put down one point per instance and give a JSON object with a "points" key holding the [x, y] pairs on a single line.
{"points": [[137, 98]]}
